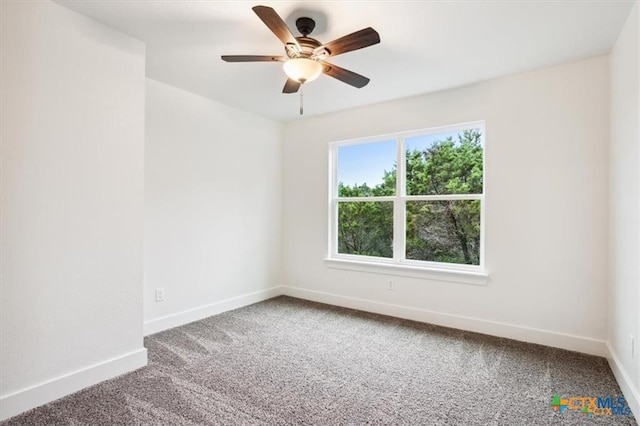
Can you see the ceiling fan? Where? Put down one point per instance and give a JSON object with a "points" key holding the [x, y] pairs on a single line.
{"points": [[305, 56]]}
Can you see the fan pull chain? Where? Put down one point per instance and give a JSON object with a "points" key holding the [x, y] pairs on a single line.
{"points": [[301, 99]]}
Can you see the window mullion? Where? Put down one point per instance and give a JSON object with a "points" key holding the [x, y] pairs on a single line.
{"points": [[333, 203], [482, 231], [400, 169], [399, 234], [443, 197], [402, 222], [364, 199]]}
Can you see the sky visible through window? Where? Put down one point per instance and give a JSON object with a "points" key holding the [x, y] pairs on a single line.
{"points": [[367, 162]]}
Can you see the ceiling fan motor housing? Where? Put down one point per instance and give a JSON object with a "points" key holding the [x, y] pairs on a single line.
{"points": [[305, 25], [307, 47]]}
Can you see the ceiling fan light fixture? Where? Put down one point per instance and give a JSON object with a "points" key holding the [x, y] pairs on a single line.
{"points": [[302, 70]]}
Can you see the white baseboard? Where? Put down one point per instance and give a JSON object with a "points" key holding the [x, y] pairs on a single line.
{"points": [[631, 393], [196, 314], [493, 328], [32, 397]]}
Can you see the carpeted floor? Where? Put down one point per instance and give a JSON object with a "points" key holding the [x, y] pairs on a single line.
{"points": [[288, 362]]}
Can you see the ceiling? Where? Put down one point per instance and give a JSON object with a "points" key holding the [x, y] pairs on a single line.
{"points": [[425, 46]]}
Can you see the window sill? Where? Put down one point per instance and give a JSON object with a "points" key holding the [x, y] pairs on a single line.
{"points": [[435, 274]]}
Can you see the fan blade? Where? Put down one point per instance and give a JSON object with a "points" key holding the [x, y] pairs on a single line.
{"points": [[291, 86], [251, 58], [275, 23], [354, 41], [346, 76]]}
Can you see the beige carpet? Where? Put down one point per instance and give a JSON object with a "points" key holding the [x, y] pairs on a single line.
{"points": [[288, 362]]}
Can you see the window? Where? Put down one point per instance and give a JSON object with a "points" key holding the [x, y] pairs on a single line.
{"points": [[411, 199]]}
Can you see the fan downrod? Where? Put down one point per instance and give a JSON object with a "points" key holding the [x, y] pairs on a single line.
{"points": [[305, 25]]}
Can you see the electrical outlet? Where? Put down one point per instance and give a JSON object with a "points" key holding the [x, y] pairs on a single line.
{"points": [[390, 286], [159, 294], [632, 342]]}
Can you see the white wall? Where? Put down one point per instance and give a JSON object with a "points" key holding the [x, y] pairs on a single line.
{"points": [[72, 144], [213, 203], [624, 316], [546, 207]]}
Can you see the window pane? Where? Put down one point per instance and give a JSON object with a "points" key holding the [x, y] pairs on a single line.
{"points": [[366, 228], [444, 231], [367, 169], [448, 163]]}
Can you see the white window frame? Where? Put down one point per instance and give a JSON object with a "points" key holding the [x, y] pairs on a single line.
{"points": [[398, 264]]}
